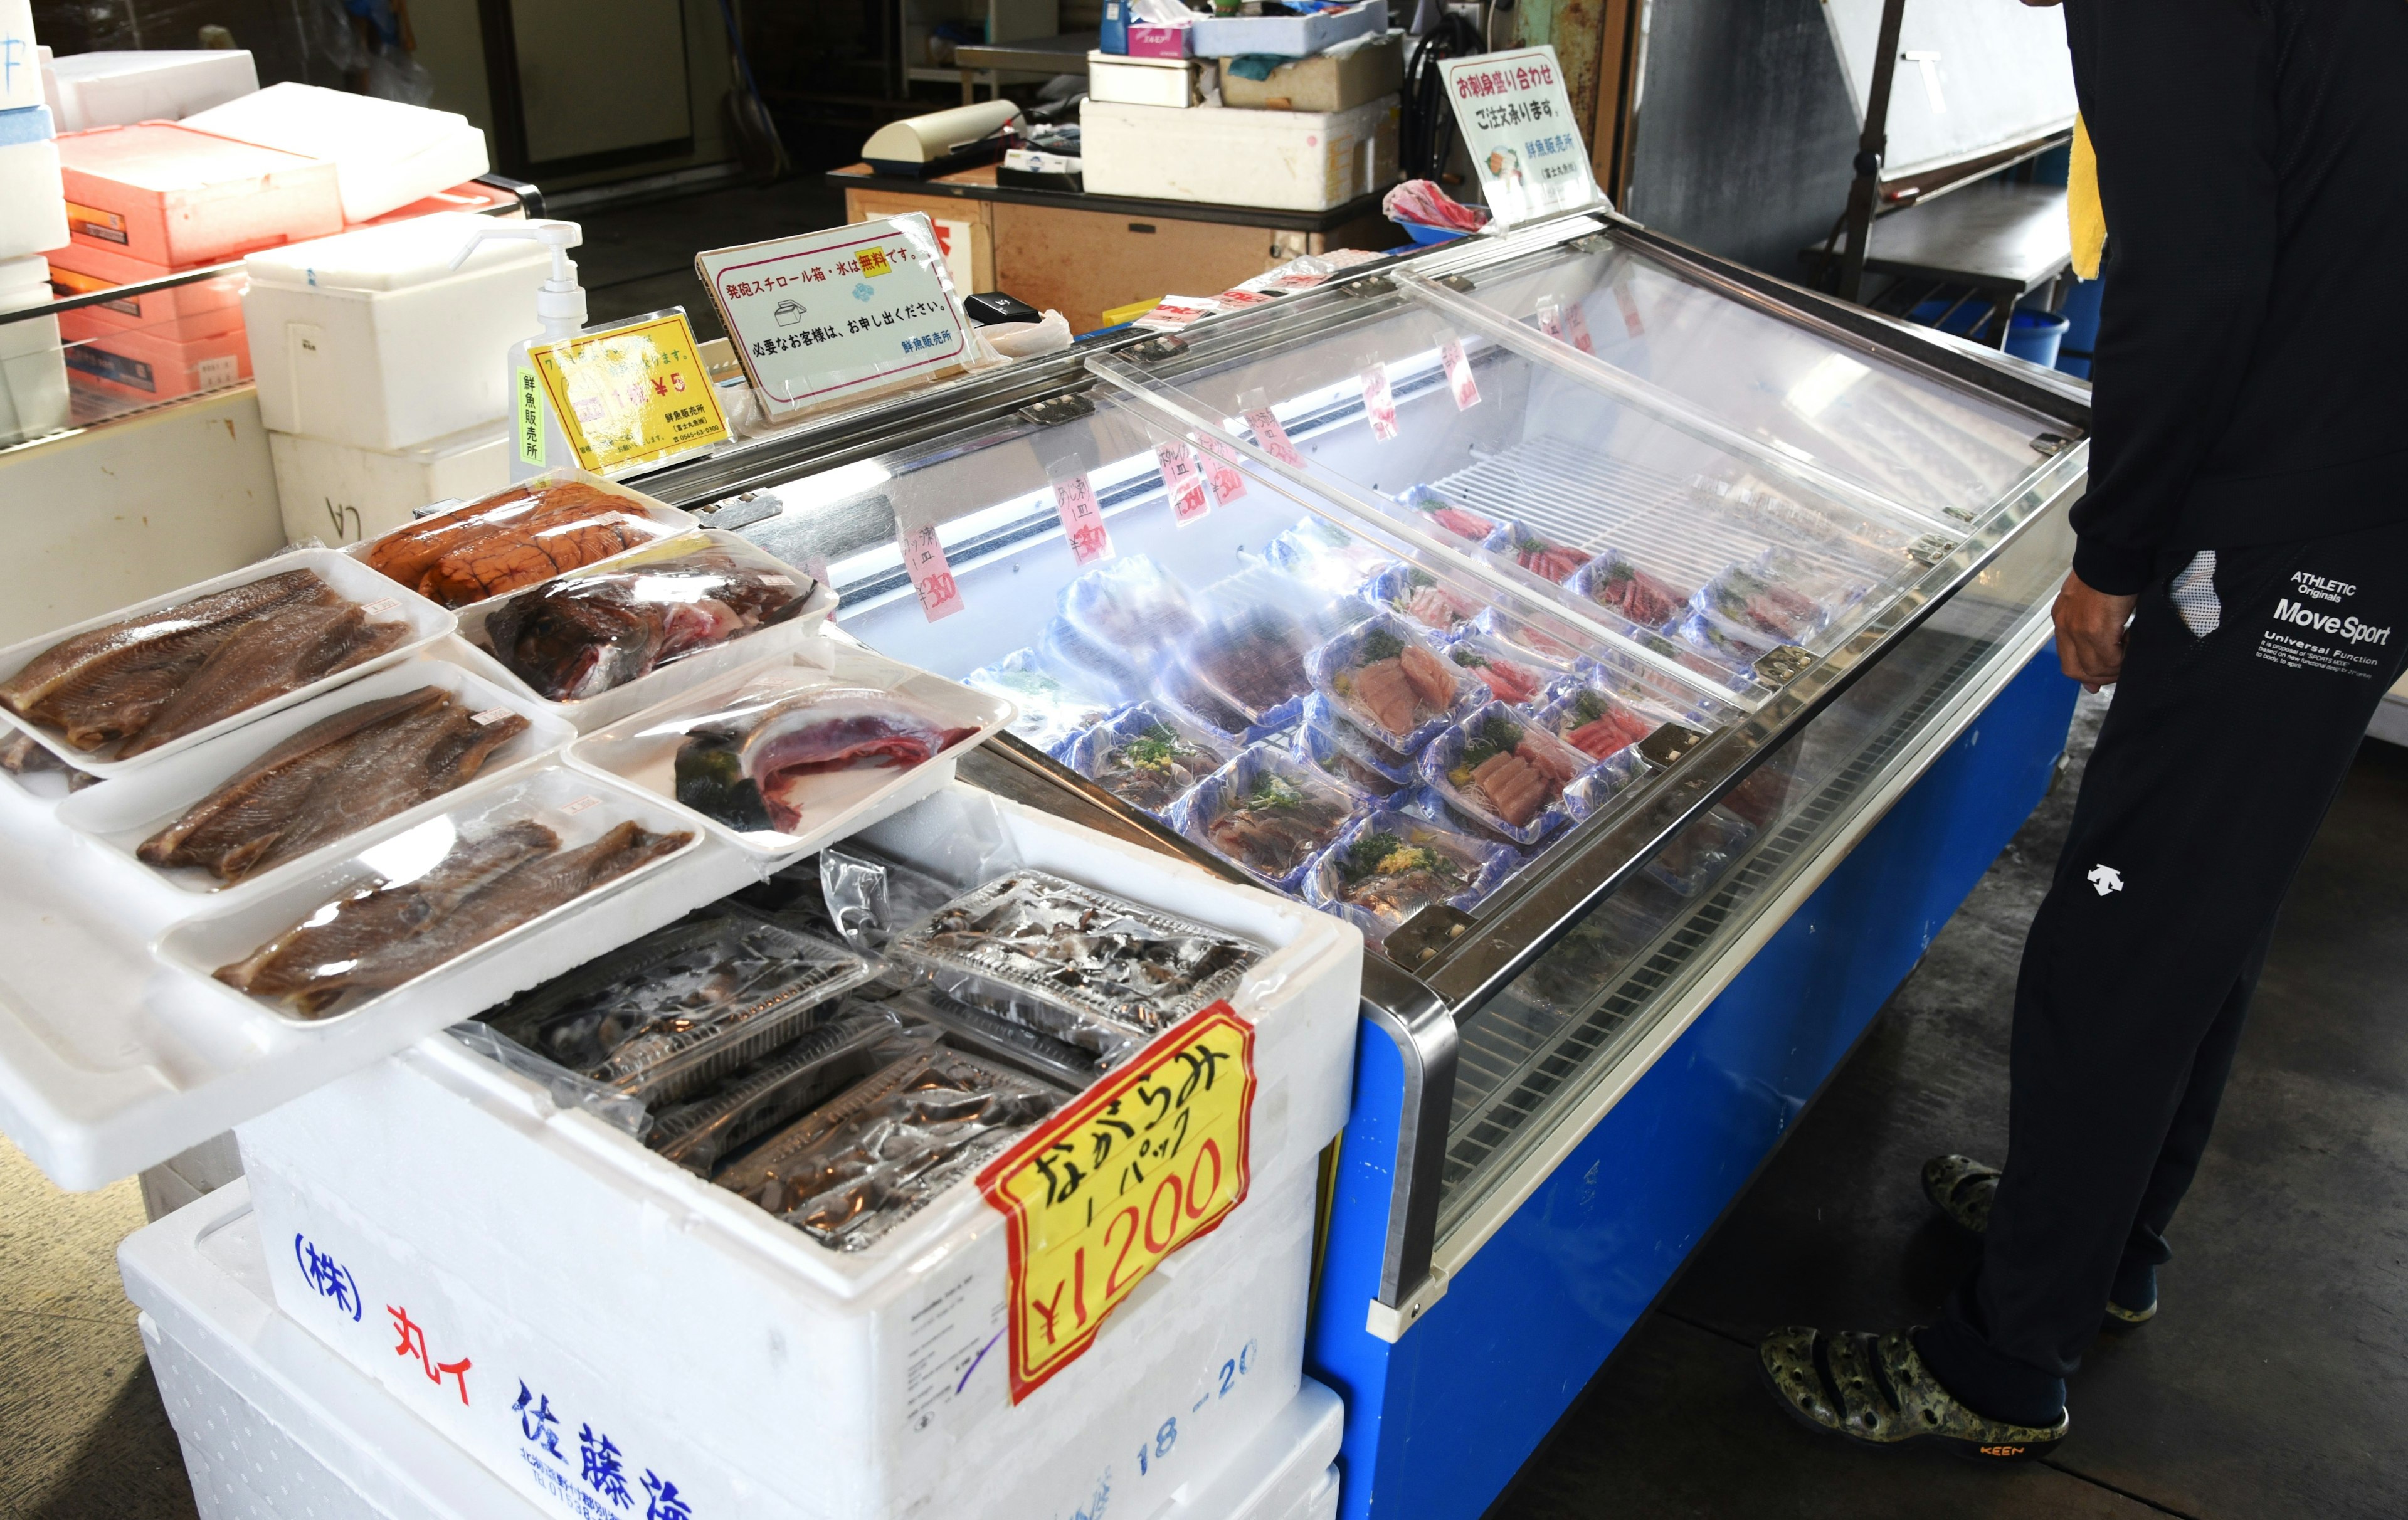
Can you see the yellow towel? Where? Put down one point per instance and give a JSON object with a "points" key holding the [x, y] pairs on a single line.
{"points": [[2082, 215]]}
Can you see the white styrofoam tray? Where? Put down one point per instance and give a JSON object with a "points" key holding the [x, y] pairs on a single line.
{"points": [[442, 1177], [656, 686], [1289, 36], [576, 806], [427, 622], [642, 751], [120, 814], [660, 520]]}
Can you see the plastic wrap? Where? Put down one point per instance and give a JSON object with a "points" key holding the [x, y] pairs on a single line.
{"points": [[684, 1006], [1516, 635], [1325, 611], [622, 1112], [1147, 757], [1052, 712], [1447, 517], [1326, 740], [1507, 771], [1389, 865], [1822, 577], [1595, 720], [1614, 580], [1075, 658], [780, 1087], [992, 1036], [38, 772], [514, 539], [868, 894], [1267, 813], [1246, 665], [1388, 679], [1091, 969], [1413, 593], [1131, 603], [1535, 551], [861, 1164], [1756, 609], [1701, 852], [1512, 674], [1324, 558], [1724, 643], [582, 634]]}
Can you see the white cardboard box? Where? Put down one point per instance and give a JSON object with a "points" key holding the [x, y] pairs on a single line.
{"points": [[1350, 74], [1287, 160], [343, 493], [33, 366], [386, 154], [119, 89], [1120, 80]]}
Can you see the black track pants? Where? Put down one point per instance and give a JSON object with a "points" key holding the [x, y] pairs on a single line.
{"points": [[2217, 762]]}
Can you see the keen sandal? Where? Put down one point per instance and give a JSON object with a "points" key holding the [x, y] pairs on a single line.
{"points": [[1875, 1390], [1963, 1189]]}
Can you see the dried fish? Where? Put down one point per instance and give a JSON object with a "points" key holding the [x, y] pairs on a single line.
{"points": [[276, 653]]}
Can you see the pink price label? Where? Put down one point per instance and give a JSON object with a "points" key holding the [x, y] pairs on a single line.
{"points": [[1183, 480], [1576, 326], [1458, 374], [1631, 322], [1222, 467], [1380, 403], [1550, 320], [1273, 437], [489, 717], [1083, 519], [383, 604], [924, 560], [571, 808]]}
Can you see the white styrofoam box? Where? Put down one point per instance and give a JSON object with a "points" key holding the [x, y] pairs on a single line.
{"points": [[1350, 74], [641, 752], [386, 154], [1289, 36], [678, 676], [120, 814], [427, 622], [1290, 161], [370, 339], [792, 1379], [33, 191], [345, 494], [276, 1426], [1120, 80], [166, 194], [33, 367], [20, 64], [119, 89]]}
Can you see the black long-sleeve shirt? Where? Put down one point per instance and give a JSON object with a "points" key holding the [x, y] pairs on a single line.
{"points": [[2250, 373]]}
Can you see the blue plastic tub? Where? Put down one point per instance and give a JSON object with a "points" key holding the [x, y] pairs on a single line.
{"points": [[2035, 336], [1422, 234]]}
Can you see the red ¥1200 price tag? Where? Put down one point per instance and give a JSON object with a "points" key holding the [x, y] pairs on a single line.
{"points": [[1083, 519], [1183, 480], [924, 559]]}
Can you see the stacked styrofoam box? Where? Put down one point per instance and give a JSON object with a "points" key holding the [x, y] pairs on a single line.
{"points": [[1292, 161], [33, 196], [275, 1427], [119, 89], [33, 368], [385, 153], [762, 1372], [380, 367]]}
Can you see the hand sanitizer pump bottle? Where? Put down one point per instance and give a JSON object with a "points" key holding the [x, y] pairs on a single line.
{"points": [[536, 441]]}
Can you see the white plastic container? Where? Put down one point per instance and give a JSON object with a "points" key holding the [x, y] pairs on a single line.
{"points": [[276, 1426], [355, 581], [783, 1378], [120, 814], [33, 193], [1289, 161], [1120, 80], [641, 752], [117, 89], [371, 339], [33, 367], [344, 494], [386, 154], [1289, 36]]}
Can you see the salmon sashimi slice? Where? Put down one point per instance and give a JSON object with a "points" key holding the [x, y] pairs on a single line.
{"points": [[1431, 680], [1386, 692], [1512, 786]]}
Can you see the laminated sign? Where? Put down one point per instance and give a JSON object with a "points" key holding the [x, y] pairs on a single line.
{"points": [[628, 394], [1520, 132], [1150, 1158]]}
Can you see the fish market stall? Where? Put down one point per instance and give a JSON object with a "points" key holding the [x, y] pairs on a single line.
{"points": [[1643, 656]]}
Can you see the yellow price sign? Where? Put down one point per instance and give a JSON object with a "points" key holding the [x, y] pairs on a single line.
{"points": [[630, 395], [1146, 1161]]}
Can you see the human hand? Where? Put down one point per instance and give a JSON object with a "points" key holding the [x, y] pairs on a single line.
{"points": [[2090, 633]]}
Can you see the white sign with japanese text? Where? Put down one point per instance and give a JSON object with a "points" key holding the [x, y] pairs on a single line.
{"points": [[827, 315], [1520, 132]]}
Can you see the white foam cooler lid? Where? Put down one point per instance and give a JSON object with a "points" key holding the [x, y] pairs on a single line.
{"points": [[24, 281], [393, 257], [386, 154], [117, 89]]}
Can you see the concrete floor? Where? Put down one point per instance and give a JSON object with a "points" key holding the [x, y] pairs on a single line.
{"points": [[2274, 1382]]}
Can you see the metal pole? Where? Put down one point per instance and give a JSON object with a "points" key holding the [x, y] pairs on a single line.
{"points": [[1865, 192]]}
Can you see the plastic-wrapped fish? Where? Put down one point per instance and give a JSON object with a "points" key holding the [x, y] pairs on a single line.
{"points": [[1146, 757], [1244, 673], [1413, 593], [1130, 603], [583, 635], [1511, 675], [1325, 556], [1531, 642], [750, 771], [513, 538], [1760, 608], [1117, 673], [1505, 770], [1614, 580], [1727, 644], [1267, 814], [1595, 723], [1447, 516], [1326, 740], [1534, 552], [1052, 712], [1389, 865], [1385, 677]]}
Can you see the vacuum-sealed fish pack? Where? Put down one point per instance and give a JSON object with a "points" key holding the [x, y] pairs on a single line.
{"points": [[1390, 865], [1052, 711], [513, 538], [861, 1164], [778, 1086], [1148, 755], [1093, 970], [1504, 769], [1267, 814], [665, 1015], [1391, 683]]}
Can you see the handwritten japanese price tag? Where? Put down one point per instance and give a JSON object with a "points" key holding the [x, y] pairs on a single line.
{"points": [[630, 395], [924, 557], [1550, 320], [1576, 327], [1083, 519], [1632, 321], [1458, 374], [1221, 467], [1152, 1157], [1380, 403], [1183, 480], [1272, 436]]}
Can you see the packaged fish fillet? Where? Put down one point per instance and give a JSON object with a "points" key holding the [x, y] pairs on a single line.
{"points": [[1388, 865], [1596, 721], [1756, 607], [1413, 593], [669, 1014], [1267, 814], [1505, 770], [1547, 558], [1558, 654], [1248, 663], [1512, 676], [1326, 740], [622, 1112], [1072, 657], [1321, 610], [516, 538], [1131, 603], [1448, 517], [1325, 556], [590, 631], [1097, 971], [780, 1087], [1833, 583], [1385, 677], [991, 1037], [1614, 580], [862, 1163], [1603, 782], [1052, 712], [1701, 853], [1147, 755], [1723, 643]]}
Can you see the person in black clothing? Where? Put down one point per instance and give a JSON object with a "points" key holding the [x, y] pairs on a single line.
{"points": [[2240, 578]]}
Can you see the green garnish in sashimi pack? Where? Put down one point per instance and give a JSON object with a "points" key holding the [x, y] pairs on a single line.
{"points": [[1155, 749], [1501, 732], [1589, 706], [1384, 854], [1467, 659], [1377, 645], [1273, 790]]}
